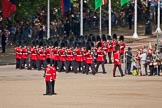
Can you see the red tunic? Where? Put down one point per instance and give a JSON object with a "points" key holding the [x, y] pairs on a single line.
{"points": [[55, 54], [24, 53], [116, 58], [89, 58], [122, 46], [48, 74], [109, 47], [62, 55], [69, 55], [100, 55], [41, 54], [53, 72], [104, 46], [48, 53], [33, 55], [18, 53], [79, 56], [114, 42]]}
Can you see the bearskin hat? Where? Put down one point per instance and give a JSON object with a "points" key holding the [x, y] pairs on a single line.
{"points": [[41, 43], [89, 39], [93, 38], [99, 44], [121, 38], [114, 36], [37, 42], [109, 37], [88, 47], [18, 43], [98, 38], [62, 44], [104, 37], [56, 44], [33, 43]]}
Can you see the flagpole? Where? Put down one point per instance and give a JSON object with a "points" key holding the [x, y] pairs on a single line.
{"points": [[81, 17], [48, 19], [109, 5], [158, 23], [100, 28], [135, 35]]}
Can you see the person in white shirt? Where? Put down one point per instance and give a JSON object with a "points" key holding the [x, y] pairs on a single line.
{"points": [[143, 61]]}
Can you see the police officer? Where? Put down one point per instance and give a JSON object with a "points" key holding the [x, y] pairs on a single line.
{"points": [[128, 60]]}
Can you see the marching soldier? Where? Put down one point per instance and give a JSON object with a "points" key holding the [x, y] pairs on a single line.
{"points": [[62, 57], [78, 59], [122, 45], [48, 53], [24, 60], [100, 57], [89, 60], [69, 59], [104, 46], [117, 62], [109, 48], [114, 42], [33, 56], [55, 55], [41, 56], [18, 51]]}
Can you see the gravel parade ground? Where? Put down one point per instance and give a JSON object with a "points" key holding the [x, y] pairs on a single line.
{"points": [[25, 89]]}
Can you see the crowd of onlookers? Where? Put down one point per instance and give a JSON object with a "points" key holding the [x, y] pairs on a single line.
{"points": [[145, 62]]}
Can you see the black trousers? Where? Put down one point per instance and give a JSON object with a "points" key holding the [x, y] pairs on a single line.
{"points": [[61, 66], [18, 63], [128, 67], [109, 56], [48, 87], [103, 66], [24, 62], [33, 64], [120, 69], [92, 68], [40, 63], [79, 65], [68, 65], [53, 86], [151, 68], [56, 63]]}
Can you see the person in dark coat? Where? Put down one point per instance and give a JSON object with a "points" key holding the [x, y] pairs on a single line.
{"points": [[3, 41], [128, 60]]}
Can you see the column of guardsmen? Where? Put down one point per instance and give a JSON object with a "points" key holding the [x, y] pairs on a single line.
{"points": [[75, 54]]}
